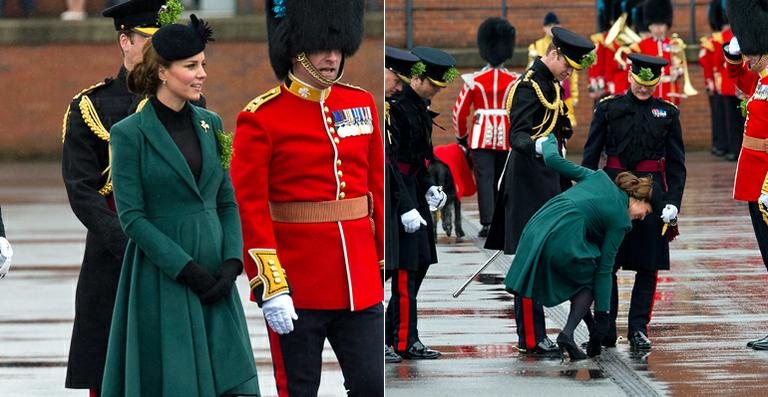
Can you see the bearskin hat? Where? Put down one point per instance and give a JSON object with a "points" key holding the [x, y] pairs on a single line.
{"points": [[496, 40], [296, 26], [749, 21], [715, 15], [657, 11]]}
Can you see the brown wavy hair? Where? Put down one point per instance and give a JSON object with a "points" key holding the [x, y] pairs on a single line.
{"points": [[639, 188], [144, 79]]}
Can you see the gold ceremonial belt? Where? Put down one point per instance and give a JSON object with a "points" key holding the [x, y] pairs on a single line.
{"points": [[757, 144], [320, 211]]}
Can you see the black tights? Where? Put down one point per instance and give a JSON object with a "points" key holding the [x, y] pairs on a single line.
{"points": [[580, 303]]}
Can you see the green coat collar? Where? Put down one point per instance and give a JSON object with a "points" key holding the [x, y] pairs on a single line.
{"points": [[160, 139]]}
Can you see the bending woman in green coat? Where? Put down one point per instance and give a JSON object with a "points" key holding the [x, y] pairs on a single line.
{"points": [[568, 248], [178, 327]]}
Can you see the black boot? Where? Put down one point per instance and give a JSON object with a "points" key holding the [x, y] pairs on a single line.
{"points": [[419, 352], [566, 343]]}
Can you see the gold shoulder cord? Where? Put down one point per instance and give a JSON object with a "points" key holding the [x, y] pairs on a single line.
{"points": [[386, 120], [66, 115], [510, 96], [553, 110], [760, 206]]}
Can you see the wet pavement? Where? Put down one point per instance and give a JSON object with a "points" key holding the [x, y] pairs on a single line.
{"points": [[37, 296], [707, 307]]}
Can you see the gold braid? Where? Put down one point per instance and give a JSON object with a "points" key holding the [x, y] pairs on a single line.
{"points": [[554, 109], [91, 118], [64, 124]]}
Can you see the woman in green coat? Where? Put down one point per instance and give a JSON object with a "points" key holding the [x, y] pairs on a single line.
{"points": [[568, 247], [178, 327]]}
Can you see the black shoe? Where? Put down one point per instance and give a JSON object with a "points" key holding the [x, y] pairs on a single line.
{"points": [[763, 340], [390, 356], [419, 352], [639, 341], [484, 231], [731, 157], [545, 347], [566, 343], [718, 152]]}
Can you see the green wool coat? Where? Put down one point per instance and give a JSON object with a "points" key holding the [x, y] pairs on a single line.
{"points": [[163, 341], [571, 242]]}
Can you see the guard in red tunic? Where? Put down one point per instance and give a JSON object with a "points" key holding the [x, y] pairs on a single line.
{"points": [[657, 16], [730, 97], [484, 92], [749, 20], [308, 175]]}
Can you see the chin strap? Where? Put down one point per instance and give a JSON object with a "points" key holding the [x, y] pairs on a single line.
{"points": [[304, 61]]}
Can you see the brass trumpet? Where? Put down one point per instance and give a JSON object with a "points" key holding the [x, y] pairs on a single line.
{"points": [[624, 36], [679, 60]]}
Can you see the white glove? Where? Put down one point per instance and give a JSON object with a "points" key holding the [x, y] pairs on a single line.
{"points": [[763, 199], [539, 142], [279, 313], [412, 221], [436, 198], [733, 47], [6, 253], [669, 213]]}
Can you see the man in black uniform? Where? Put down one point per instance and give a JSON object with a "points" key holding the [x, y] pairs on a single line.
{"points": [[641, 133], [536, 109], [400, 209], [86, 172], [410, 123]]}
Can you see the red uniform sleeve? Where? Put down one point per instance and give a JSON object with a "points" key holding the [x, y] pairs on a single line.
{"points": [[376, 182], [745, 79], [461, 112], [250, 170]]}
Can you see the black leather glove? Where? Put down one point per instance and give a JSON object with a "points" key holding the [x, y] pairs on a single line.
{"points": [[196, 278], [225, 275], [599, 333]]}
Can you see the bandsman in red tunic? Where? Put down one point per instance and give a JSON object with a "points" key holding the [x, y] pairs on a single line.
{"points": [[749, 20], [708, 48], [730, 97], [308, 175], [484, 92]]}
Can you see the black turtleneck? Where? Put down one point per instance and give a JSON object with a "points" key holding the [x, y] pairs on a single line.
{"points": [[180, 128]]}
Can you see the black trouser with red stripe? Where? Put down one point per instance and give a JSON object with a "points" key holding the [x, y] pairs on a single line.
{"points": [[641, 304], [529, 318], [355, 338], [401, 326]]}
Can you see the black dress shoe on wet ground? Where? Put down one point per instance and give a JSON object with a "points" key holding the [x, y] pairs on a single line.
{"points": [[639, 341], [545, 347], [390, 356], [419, 352], [763, 340], [484, 231]]}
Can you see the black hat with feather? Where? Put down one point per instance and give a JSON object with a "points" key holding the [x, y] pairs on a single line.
{"points": [[176, 41]]}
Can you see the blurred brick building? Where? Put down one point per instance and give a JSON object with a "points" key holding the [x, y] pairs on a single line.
{"points": [[44, 62]]}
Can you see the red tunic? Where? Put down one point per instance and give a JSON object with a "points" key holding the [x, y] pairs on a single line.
{"points": [[707, 60], [752, 167], [723, 82], [669, 91], [485, 93], [306, 145]]}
